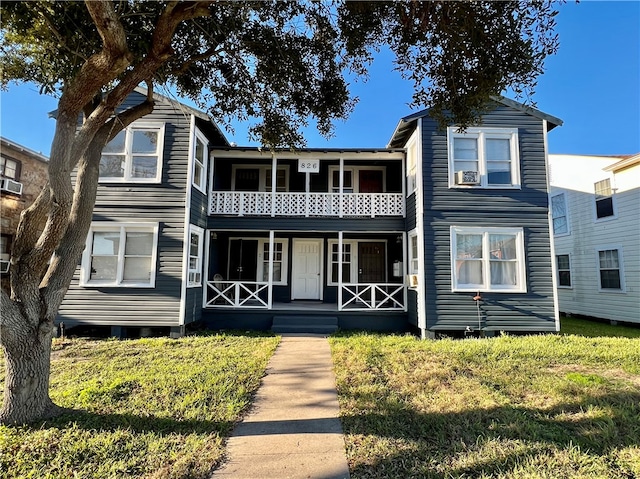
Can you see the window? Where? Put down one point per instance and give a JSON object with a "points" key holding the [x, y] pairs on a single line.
{"points": [[347, 262], [559, 215], [487, 259], [196, 235], [347, 182], [412, 165], [604, 199], [564, 270], [199, 179], [9, 168], [490, 152], [280, 253], [134, 155], [609, 267], [120, 255], [258, 178], [413, 254]]}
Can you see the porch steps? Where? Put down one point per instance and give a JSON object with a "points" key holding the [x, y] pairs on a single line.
{"points": [[305, 324]]}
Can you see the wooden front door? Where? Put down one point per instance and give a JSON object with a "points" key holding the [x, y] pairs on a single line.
{"points": [[370, 181], [371, 260], [306, 269]]}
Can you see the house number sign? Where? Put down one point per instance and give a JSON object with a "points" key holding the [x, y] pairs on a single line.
{"points": [[308, 166]]}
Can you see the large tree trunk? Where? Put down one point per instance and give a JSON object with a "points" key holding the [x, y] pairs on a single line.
{"points": [[27, 361]]}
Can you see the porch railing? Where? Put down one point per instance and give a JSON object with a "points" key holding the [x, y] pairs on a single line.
{"points": [[372, 296], [238, 294], [259, 203]]}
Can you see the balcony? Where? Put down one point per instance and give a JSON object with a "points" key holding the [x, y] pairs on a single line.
{"points": [[256, 203]]}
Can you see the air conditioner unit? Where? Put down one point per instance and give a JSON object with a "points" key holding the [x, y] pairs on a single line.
{"points": [[467, 178], [4, 266], [7, 184], [412, 279]]}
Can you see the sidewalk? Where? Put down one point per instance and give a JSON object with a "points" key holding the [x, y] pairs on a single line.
{"points": [[292, 430]]}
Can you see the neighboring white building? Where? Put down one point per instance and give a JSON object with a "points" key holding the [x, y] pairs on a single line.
{"points": [[595, 209]]}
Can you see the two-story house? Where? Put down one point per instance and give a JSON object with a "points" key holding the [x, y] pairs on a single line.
{"points": [[595, 204], [23, 173], [188, 228]]}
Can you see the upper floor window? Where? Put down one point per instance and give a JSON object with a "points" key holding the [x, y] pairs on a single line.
{"points": [[258, 178], [484, 157], [199, 174], [604, 198], [559, 214], [413, 254], [609, 268], [412, 165], [120, 255], [134, 155], [487, 259]]}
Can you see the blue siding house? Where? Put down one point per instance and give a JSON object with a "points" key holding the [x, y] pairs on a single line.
{"points": [[441, 231]]}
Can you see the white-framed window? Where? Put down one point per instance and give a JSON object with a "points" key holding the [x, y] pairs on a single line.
{"points": [[134, 155], [604, 199], [258, 178], [199, 172], [280, 260], [412, 164], [559, 215], [610, 269], [358, 179], [492, 153], [487, 259], [120, 255], [349, 262], [563, 263], [413, 253], [10, 168], [196, 241]]}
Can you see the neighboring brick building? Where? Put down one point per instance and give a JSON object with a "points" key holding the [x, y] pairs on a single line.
{"points": [[23, 173]]}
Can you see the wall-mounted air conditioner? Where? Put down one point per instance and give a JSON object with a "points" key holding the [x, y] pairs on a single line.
{"points": [[4, 266], [412, 279], [7, 184], [467, 177]]}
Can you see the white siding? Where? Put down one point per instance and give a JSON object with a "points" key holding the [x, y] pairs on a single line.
{"points": [[575, 176]]}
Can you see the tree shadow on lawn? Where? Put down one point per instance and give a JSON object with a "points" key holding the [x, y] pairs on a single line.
{"points": [[434, 440], [163, 426]]}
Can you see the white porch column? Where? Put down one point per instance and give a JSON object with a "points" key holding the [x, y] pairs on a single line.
{"points": [[341, 182], [307, 188], [339, 259], [274, 182], [270, 287]]}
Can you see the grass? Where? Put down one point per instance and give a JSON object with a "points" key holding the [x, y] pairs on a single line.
{"points": [[547, 406], [593, 329], [154, 408]]}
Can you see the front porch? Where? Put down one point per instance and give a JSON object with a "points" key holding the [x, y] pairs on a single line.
{"points": [[281, 271]]}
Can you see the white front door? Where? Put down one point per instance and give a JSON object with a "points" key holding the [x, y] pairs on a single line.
{"points": [[307, 281]]}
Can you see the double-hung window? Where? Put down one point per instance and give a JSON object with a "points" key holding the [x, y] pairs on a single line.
{"points": [[134, 155], [412, 164], [487, 259], [9, 168], [199, 174], [484, 158], [280, 254], [413, 254], [559, 215], [563, 263], [120, 255], [604, 199], [609, 266], [196, 236]]}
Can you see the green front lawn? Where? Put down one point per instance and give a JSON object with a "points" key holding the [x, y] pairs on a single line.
{"points": [[547, 406], [155, 408]]}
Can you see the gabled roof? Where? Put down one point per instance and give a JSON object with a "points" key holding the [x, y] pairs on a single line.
{"points": [[627, 161], [407, 124]]}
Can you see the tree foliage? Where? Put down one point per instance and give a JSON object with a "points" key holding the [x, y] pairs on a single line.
{"points": [[282, 63]]}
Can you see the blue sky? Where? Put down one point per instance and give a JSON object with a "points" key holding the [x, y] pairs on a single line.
{"points": [[592, 84]]}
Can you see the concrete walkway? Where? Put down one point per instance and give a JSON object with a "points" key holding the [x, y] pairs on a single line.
{"points": [[292, 430]]}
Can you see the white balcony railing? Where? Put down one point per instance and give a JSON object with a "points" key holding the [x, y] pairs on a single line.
{"points": [[238, 294], [372, 296], [258, 203]]}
